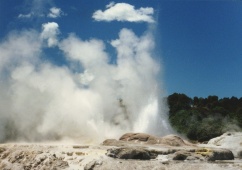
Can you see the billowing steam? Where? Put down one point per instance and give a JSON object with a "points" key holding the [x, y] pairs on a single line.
{"points": [[88, 98]]}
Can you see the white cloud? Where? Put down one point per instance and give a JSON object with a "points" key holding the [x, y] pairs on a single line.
{"points": [[50, 31], [110, 4], [55, 12], [39, 8], [124, 12], [29, 15]]}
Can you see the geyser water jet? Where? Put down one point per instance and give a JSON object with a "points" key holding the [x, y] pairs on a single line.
{"points": [[43, 101]]}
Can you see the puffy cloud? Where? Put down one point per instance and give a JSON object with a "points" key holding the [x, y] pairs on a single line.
{"points": [[55, 12], [124, 12], [50, 31]]}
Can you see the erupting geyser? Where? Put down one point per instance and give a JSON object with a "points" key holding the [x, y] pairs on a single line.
{"points": [[88, 98]]}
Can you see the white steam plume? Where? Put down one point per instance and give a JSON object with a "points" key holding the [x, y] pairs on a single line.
{"points": [[43, 101]]}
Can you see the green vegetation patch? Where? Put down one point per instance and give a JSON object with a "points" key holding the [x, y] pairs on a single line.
{"points": [[201, 119]]}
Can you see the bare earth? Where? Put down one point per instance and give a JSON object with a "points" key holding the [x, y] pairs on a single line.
{"points": [[109, 155]]}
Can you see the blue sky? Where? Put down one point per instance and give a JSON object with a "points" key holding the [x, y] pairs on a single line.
{"points": [[199, 44]]}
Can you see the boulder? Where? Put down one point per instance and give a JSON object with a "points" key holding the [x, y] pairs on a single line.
{"points": [[136, 137], [131, 153], [181, 155], [239, 154], [221, 154], [171, 140], [92, 164], [215, 154]]}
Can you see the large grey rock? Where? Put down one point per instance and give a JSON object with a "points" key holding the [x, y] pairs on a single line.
{"points": [[131, 153], [221, 154], [203, 154], [181, 155], [239, 154], [215, 154]]}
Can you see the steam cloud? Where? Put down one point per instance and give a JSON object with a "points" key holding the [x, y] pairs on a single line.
{"points": [[89, 100]]}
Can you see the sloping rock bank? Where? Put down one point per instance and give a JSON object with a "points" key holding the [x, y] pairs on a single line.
{"points": [[143, 138], [144, 151], [229, 140], [171, 140], [145, 147]]}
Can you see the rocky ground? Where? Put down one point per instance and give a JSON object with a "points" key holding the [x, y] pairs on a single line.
{"points": [[131, 151]]}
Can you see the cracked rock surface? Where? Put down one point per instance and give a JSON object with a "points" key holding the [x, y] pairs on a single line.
{"points": [[131, 151]]}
